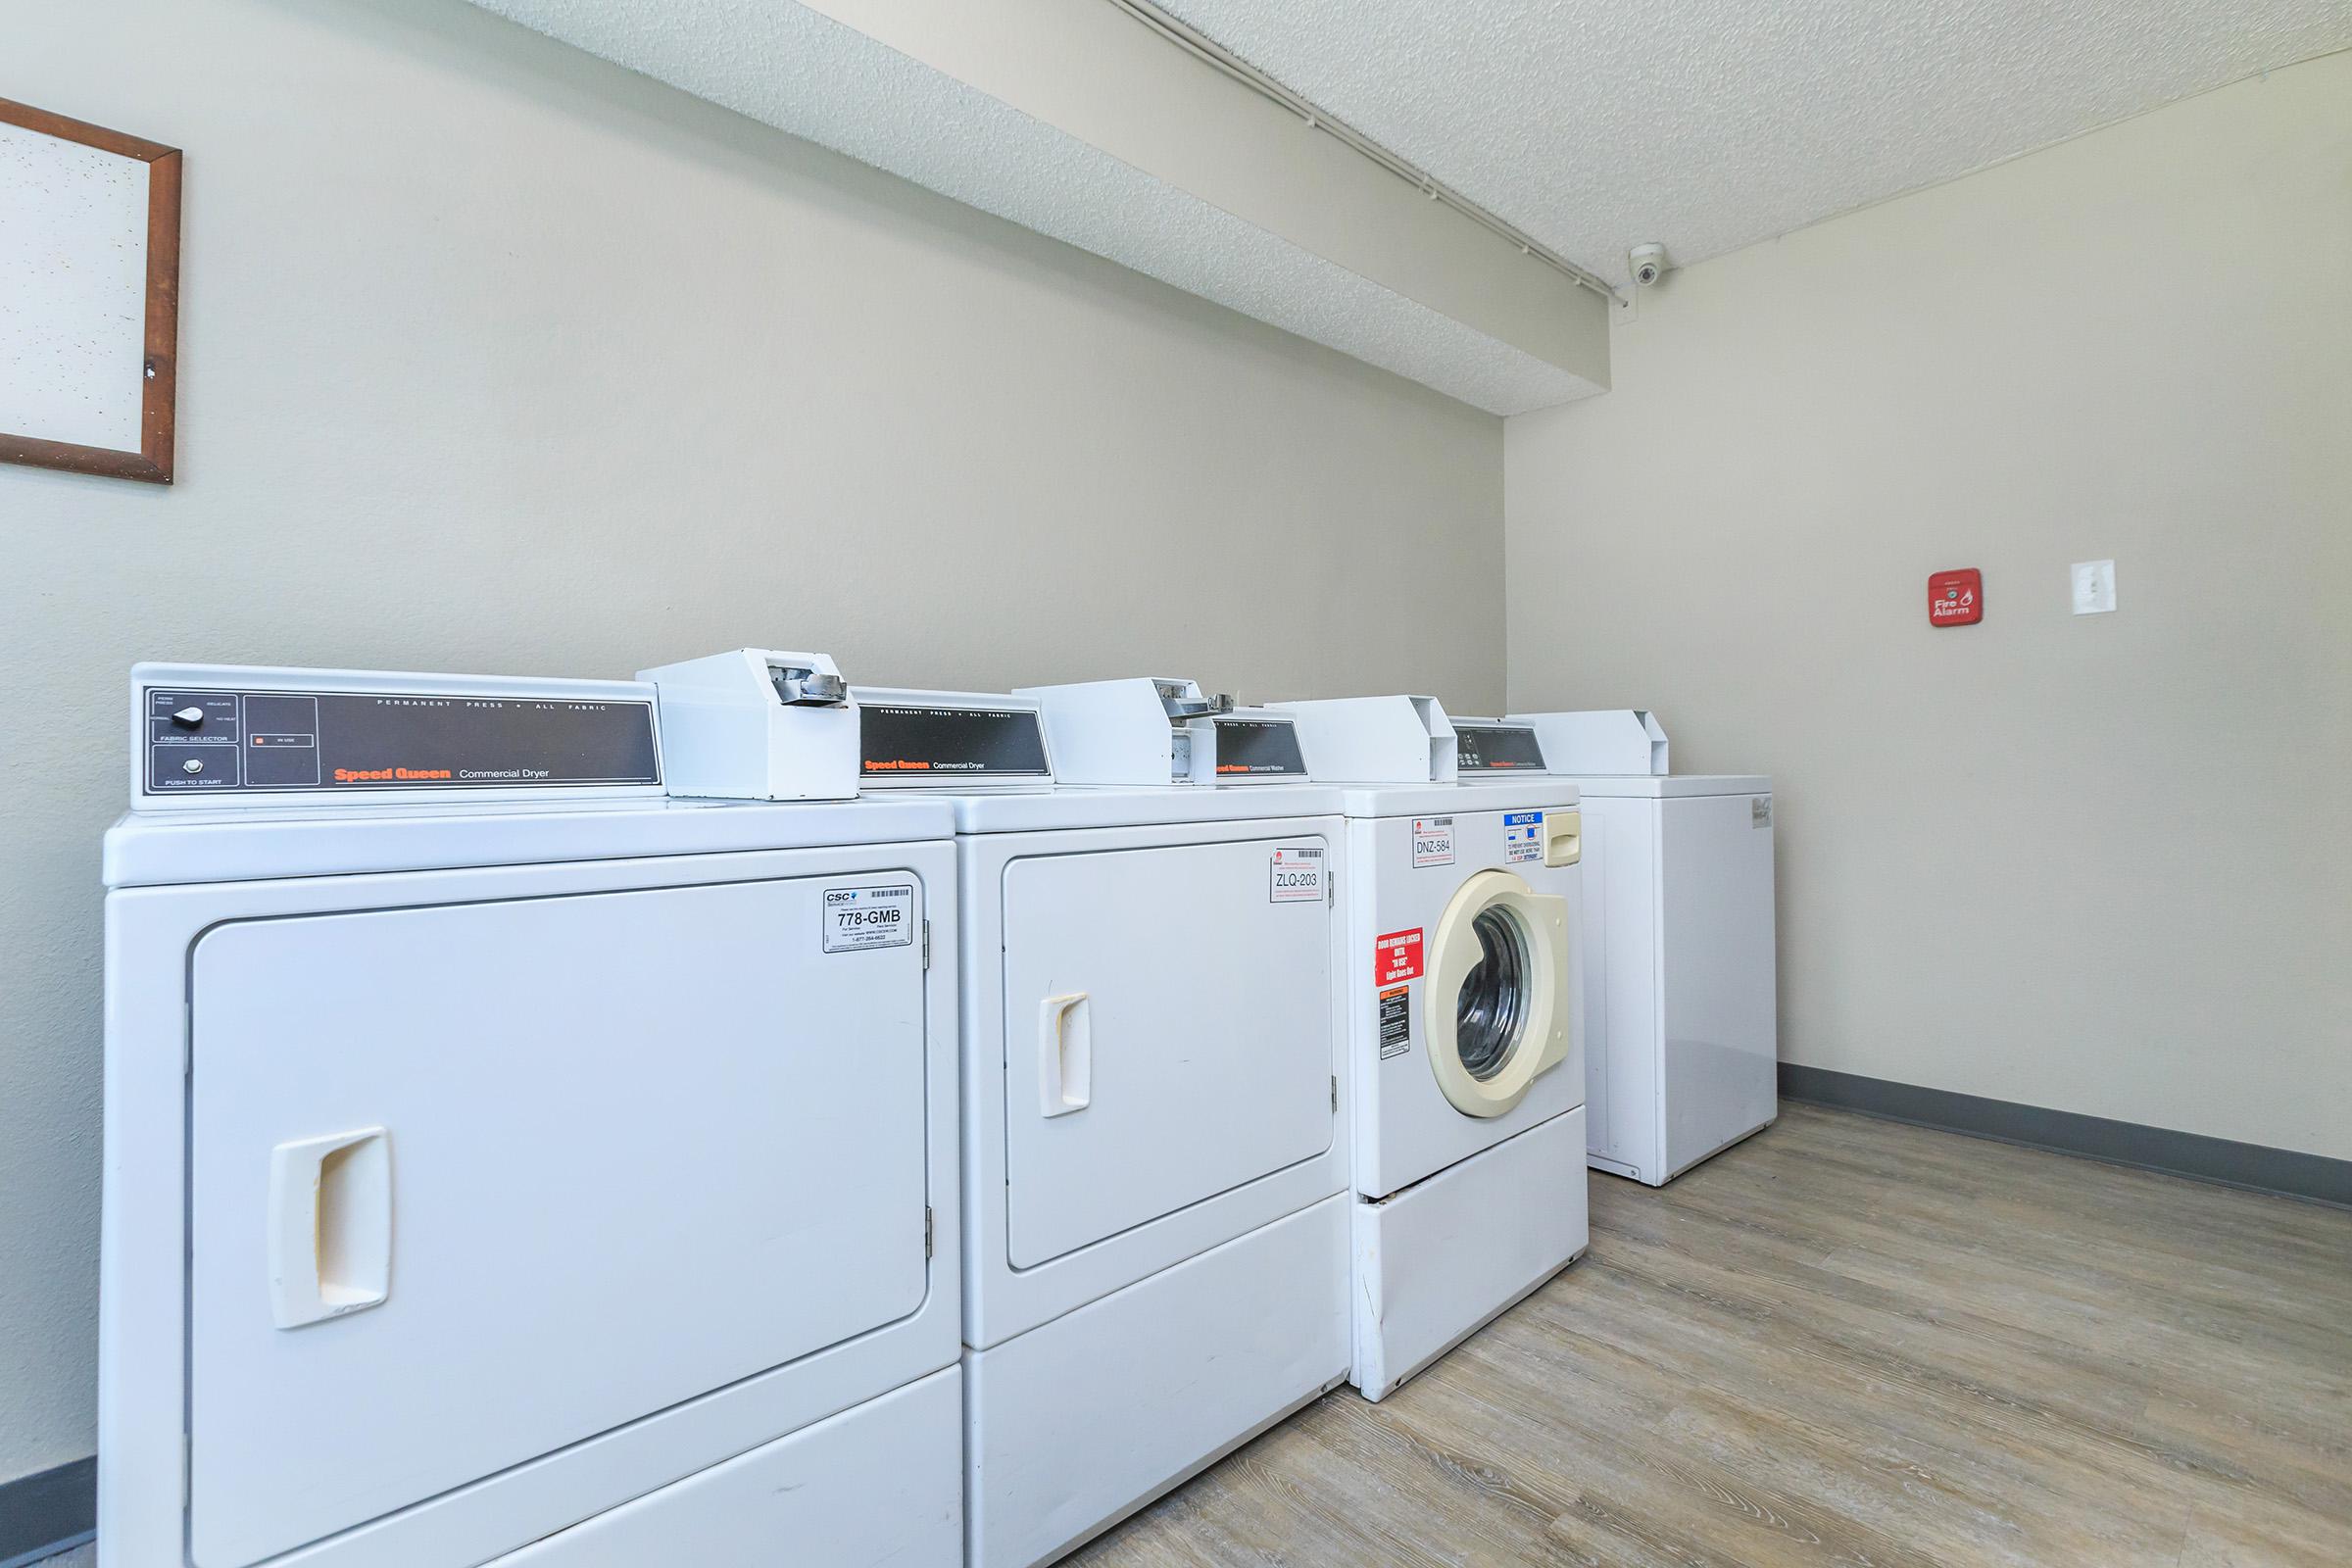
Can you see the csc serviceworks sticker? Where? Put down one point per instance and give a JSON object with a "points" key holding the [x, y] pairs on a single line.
{"points": [[857, 919]]}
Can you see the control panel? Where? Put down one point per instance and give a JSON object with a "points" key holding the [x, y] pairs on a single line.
{"points": [[1486, 746], [962, 740], [1254, 743], [225, 733]]}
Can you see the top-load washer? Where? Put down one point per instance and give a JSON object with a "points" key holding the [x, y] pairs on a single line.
{"points": [[1684, 1027], [486, 1179], [1465, 1021], [1156, 1240]]}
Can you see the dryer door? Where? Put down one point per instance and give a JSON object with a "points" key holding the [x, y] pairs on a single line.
{"points": [[1499, 996], [474, 1181], [1168, 1026]]}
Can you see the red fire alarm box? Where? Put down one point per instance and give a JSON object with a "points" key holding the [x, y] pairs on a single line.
{"points": [[1956, 597]]}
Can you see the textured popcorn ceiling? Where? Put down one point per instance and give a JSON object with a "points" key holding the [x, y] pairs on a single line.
{"points": [[1709, 125], [803, 73]]}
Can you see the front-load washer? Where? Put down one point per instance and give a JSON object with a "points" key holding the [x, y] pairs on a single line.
{"points": [[507, 1164], [1683, 1029], [1465, 1021], [1157, 1232]]}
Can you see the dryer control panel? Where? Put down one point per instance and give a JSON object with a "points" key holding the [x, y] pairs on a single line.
{"points": [[953, 740], [222, 734]]}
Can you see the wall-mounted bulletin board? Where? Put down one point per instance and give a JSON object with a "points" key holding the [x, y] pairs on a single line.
{"points": [[89, 296]]}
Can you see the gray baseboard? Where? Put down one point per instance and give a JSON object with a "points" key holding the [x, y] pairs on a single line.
{"points": [[2286, 1172], [48, 1512]]}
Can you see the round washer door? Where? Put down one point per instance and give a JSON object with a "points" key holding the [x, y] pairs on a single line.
{"points": [[1496, 1007]]}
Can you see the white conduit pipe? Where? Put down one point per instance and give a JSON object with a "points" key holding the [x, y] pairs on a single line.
{"points": [[1200, 45]]}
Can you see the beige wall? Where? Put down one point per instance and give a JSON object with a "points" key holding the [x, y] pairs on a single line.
{"points": [[2096, 863], [497, 359]]}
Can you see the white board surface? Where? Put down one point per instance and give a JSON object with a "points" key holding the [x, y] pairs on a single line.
{"points": [[72, 291]]}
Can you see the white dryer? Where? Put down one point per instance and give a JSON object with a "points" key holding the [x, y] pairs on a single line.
{"points": [[505, 1163], [1684, 1025], [1155, 1248], [1466, 1022]]}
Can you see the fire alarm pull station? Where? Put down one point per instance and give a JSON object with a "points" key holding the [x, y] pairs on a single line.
{"points": [[1956, 597]]}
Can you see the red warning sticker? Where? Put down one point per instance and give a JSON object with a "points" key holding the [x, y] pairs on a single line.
{"points": [[1396, 957]]}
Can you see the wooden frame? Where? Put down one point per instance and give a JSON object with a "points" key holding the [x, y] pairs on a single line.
{"points": [[158, 394]]}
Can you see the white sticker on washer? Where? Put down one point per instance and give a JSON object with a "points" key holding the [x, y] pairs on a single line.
{"points": [[1522, 836], [1296, 874], [857, 919], [1432, 840]]}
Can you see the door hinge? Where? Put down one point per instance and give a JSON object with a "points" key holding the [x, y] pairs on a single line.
{"points": [[1335, 1091], [1330, 890], [928, 1233], [187, 1469], [927, 943]]}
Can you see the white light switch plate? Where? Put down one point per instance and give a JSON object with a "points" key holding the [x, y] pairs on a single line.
{"points": [[2094, 587]]}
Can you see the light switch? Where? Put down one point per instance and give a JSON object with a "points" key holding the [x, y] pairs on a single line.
{"points": [[2094, 587]]}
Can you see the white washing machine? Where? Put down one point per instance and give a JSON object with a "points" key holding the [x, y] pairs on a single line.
{"points": [[1155, 1248], [505, 1163], [1683, 1021], [1466, 1022]]}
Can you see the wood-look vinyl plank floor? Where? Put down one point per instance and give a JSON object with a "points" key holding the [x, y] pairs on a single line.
{"points": [[1847, 1342]]}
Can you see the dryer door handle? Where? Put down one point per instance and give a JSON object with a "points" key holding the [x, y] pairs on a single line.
{"points": [[1065, 1054], [330, 1226]]}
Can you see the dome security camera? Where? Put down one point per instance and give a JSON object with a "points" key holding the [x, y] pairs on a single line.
{"points": [[1647, 262]]}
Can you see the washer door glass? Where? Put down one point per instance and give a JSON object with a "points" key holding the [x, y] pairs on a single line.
{"points": [[1497, 1004], [1491, 1009]]}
